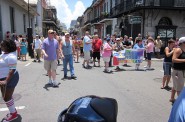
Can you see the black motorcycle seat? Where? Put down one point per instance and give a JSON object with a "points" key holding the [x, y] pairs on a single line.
{"points": [[106, 107]]}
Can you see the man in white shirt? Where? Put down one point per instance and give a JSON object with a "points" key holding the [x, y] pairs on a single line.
{"points": [[37, 43]]}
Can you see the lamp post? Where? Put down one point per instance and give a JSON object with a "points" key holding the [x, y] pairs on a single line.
{"points": [[29, 13], [131, 24], [29, 34]]}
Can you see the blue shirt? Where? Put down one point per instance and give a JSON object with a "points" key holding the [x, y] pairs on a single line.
{"points": [[178, 109], [87, 47], [50, 47], [136, 46]]}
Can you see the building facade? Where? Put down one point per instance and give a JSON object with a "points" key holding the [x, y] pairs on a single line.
{"points": [[150, 17], [14, 17], [165, 18]]}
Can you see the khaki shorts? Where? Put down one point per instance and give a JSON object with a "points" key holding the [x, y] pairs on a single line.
{"points": [[87, 55], [106, 59], [50, 65], [178, 77], [37, 52]]}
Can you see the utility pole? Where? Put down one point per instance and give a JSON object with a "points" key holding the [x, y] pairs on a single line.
{"points": [[29, 13], [29, 34]]}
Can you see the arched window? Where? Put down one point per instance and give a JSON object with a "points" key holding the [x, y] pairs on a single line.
{"points": [[165, 21]]}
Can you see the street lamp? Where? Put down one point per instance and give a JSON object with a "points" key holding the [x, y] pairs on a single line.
{"points": [[131, 26], [29, 34]]}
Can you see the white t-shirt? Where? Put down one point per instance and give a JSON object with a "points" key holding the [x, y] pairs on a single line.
{"points": [[18, 43], [7, 62], [37, 43]]}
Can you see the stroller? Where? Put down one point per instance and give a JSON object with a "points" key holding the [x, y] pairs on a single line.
{"points": [[90, 109]]}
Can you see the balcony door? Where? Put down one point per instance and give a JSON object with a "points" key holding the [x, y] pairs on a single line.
{"points": [[167, 3]]}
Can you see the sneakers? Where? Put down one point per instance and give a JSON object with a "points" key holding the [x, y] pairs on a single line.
{"points": [[55, 84], [10, 117], [65, 77], [117, 68], [50, 82], [73, 77], [107, 71], [89, 67]]}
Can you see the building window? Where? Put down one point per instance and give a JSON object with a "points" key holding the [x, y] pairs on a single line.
{"points": [[12, 18], [24, 22]]}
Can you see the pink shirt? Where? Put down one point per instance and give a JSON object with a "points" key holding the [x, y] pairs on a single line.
{"points": [[106, 53], [150, 48]]}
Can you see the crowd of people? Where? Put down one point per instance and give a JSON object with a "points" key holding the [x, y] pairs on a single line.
{"points": [[69, 49]]}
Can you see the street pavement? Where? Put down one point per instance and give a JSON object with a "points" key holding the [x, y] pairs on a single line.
{"points": [[138, 93]]}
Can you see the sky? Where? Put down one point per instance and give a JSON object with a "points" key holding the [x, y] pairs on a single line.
{"points": [[68, 10]]}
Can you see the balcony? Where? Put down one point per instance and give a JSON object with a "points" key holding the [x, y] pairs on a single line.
{"points": [[118, 9], [96, 20], [87, 22], [158, 4], [49, 19]]}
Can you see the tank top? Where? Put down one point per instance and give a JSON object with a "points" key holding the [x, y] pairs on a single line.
{"points": [[67, 47], [180, 66], [168, 59]]}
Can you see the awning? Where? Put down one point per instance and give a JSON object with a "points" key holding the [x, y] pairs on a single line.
{"points": [[89, 24], [51, 23]]}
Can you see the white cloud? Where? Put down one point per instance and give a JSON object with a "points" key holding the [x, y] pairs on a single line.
{"points": [[64, 13]]}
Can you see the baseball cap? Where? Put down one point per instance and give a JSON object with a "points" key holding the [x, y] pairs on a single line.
{"points": [[37, 35], [66, 33], [181, 40], [117, 39], [50, 31], [108, 39]]}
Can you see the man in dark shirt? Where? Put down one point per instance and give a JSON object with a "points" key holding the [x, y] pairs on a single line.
{"points": [[127, 45]]}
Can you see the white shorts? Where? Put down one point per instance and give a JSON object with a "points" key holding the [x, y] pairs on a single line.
{"points": [[106, 59], [87, 55], [178, 77], [157, 49]]}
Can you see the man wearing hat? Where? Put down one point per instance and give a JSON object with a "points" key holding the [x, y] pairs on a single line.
{"points": [[158, 44], [50, 49], [37, 43]]}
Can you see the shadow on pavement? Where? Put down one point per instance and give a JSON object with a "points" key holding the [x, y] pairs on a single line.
{"points": [[68, 78], [135, 70], [119, 70], [47, 86]]}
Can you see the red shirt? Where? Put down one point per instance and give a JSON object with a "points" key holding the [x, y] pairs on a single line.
{"points": [[96, 45]]}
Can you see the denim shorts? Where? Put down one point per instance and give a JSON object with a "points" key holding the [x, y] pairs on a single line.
{"points": [[167, 68], [13, 81]]}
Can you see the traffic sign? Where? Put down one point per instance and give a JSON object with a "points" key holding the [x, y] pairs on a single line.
{"points": [[135, 20]]}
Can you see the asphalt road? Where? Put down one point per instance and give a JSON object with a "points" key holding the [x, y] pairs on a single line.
{"points": [[138, 93]]}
